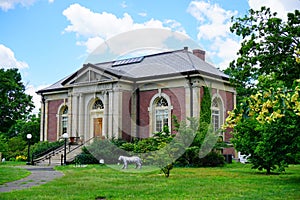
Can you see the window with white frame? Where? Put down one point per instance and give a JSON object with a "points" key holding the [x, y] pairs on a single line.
{"points": [[98, 105], [215, 114], [64, 120], [161, 113]]}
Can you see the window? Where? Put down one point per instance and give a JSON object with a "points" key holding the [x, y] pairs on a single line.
{"points": [[98, 105], [215, 112], [161, 113], [64, 120]]}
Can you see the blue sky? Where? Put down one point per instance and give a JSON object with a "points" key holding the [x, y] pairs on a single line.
{"points": [[50, 39]]}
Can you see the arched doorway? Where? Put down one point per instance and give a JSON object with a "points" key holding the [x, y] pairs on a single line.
{"points": [[97, 118]]}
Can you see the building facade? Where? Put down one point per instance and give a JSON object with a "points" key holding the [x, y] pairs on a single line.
{"points": [[134, 97]]}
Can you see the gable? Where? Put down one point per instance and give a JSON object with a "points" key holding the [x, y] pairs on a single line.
{"points": [[89, 75]]}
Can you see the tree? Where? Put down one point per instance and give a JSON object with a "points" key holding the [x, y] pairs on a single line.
{"points": [[269, 47], [14, 103], [266, 127], [23, 127], [266, 76]]}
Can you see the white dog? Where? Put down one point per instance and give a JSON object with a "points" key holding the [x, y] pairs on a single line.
{"points": [[133, 159]]}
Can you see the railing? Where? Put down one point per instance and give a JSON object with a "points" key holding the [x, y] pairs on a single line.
{"points": [[55, 150], [46, 154]]}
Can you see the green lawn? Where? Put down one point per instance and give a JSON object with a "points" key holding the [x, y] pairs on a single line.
{"points": [[235, 181], [9, 172]]}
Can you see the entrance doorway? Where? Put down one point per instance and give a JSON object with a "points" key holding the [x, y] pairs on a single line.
{"points": [[97, 127]]}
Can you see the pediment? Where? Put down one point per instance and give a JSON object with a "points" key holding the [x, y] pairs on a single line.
{"points": [[89, 75]]}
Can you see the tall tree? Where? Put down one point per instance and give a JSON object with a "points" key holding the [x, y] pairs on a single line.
{"points": [[14, 103], [266, 76], [269, 47]]}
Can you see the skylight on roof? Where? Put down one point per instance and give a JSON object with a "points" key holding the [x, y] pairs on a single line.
{"points": [[128, 61]]}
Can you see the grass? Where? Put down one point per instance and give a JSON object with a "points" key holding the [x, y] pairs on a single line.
{"points": [[9, 172], [235, 181]]}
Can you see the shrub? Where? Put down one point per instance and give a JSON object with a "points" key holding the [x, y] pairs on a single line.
{"points": [[212, 159], [21, 158], [85, 158], [44, 147]]}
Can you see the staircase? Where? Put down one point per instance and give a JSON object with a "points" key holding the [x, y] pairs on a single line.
{"points": [[56, 157]]}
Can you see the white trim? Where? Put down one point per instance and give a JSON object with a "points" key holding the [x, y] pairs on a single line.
{"points": [[59, 116], [151, 109], [221, 108]]}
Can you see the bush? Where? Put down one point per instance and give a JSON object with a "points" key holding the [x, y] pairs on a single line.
{"points": [[212, 159], [44, 147], [85, 158], [21, 158]]}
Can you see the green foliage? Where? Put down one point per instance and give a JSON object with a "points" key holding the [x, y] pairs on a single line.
{"points": [[16, 147], [212, 159], [269, 47], [3, 146], [44, 147], [23, 127], [14, 103], [265, 121], [205, 108], [85, 158]]}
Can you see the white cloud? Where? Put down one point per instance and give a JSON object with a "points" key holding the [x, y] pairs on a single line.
{"points": [[10, 4], [8, 60], [214, 33], [50, 1], [214, 20], [91, 44], [31, 90], [175, 25], [143, 14], [282, 7], [123, 4], [86, 23], [226, 49], [92, 28]]}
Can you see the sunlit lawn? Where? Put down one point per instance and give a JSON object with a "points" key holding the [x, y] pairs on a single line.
{"points": [[235, 181], [9, 172]]}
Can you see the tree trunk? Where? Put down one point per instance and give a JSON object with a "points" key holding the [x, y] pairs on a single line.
{"points": [[268, 170]]}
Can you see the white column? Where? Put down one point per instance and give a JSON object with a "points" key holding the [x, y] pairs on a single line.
{"points": [[133, 114], [42, 124], [196, 98], [110, 114], [116, 114], [70, 108], [81, 118], [187, 100], [46, 120], [106, 111], [74, 116]]}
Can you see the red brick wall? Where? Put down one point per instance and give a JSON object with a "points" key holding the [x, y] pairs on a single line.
{"points": [[126, 115], [177, 97], [52, 119], [145, 98]]}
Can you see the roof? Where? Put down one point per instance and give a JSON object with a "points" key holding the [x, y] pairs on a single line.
{"points": [[178, 62]]}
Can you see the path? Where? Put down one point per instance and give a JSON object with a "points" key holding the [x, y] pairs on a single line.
{"points": [[39, 175]]}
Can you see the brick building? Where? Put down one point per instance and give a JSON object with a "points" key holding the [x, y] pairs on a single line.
{"points": [[134, 97]]}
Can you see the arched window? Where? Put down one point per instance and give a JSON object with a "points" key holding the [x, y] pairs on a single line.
{"points": [[98, 105], [161, 113], [216, 114], [64, 120]]}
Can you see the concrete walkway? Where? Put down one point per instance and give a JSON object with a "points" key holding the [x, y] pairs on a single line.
{"points": [[39, 175]]}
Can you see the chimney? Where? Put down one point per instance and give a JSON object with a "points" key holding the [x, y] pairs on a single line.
{"points": [[199, 53]]}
